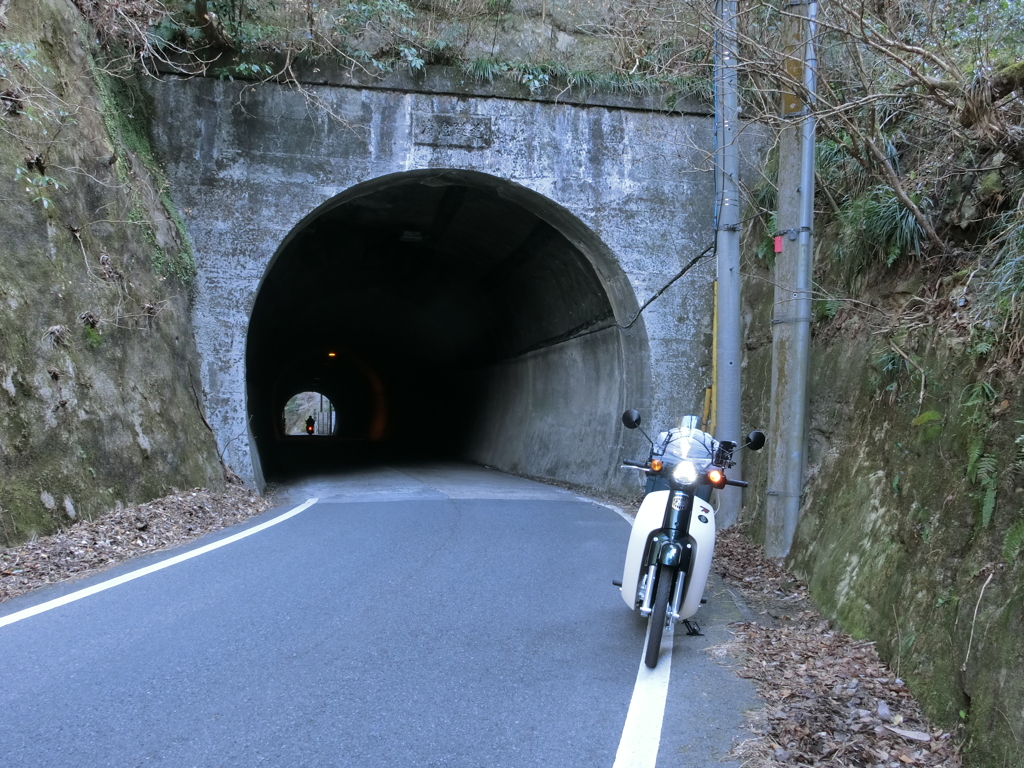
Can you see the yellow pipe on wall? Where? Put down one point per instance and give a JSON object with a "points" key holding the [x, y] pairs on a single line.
{"points": [[710, 398]]}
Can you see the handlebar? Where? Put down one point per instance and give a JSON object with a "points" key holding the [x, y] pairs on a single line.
{"points": [[628, 464]]}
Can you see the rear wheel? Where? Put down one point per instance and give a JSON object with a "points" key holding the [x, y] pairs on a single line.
{"points": [[657, 620]]}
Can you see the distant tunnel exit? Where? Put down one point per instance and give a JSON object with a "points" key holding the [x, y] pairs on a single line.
{"points": [[443, 314]]}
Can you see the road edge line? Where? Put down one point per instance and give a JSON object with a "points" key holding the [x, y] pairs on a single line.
{"points": [[641, 733], [132, 575], [617, 510]]}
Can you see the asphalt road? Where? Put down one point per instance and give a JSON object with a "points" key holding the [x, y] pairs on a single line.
{"points": [[439, 616]]}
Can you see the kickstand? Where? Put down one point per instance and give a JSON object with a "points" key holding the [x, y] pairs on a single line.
{"points": [[692, 628]]}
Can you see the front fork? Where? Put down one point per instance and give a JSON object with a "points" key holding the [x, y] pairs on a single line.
{"points": [[670, 555], [667, 552], [648, 588], [677, 598]]}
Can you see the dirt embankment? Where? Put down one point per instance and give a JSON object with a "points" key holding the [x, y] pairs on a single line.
{"points": [[99, 404], [95, 545]]}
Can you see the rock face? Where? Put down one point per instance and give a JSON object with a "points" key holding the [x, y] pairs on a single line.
{"points": [[911, 503], [98, 403]]}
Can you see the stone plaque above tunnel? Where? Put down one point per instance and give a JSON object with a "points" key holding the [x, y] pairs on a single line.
{"points": [[463, 131]]}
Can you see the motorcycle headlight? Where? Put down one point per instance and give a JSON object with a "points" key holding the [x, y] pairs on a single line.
{"points": [[685, 472]]}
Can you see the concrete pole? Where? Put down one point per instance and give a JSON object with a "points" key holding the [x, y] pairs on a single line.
{"points": [[791, 321], [730, 341]]}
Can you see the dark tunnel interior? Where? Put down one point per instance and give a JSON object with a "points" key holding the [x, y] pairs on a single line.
{"points": [[400, 302]]}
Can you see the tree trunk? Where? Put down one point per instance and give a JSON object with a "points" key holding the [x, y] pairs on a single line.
{"points": [[209, 24], [981, 95]]}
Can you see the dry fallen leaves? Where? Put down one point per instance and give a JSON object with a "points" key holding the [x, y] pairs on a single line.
{"points": [[93, 545], [831, 701]]}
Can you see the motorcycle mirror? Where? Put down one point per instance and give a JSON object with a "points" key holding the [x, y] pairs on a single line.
{"points": [[755, 440], [631, 419]]}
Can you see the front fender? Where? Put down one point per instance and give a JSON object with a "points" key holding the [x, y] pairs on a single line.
{"points": [[649, 518], [671, 554]]}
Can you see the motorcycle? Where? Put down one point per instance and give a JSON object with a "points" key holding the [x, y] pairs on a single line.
{"points": [[669, 553]]}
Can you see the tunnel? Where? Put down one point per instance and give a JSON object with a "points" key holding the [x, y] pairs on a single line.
{"points": [[445, 314]]}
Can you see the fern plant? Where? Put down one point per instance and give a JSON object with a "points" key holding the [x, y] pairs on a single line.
{"points": [[974, 451], [988, 501], [978, 398], [485, 69], [877, 227], [984, 470], [981, 468], [1013, 541]]}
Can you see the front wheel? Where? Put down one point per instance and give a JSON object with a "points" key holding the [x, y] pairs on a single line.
{"points": [[657, 620]]}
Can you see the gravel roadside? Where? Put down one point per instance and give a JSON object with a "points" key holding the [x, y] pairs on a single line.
{"points": [[90, 546], [830, 700]]}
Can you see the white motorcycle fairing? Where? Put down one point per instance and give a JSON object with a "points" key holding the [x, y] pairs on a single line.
{"points": [[650, 517], [703, 535]]}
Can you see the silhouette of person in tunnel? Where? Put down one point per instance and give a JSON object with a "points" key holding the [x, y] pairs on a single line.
{"points": [[310, 423]]}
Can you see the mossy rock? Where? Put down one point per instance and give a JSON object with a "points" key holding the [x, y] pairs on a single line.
{"points": [[97, 371]]}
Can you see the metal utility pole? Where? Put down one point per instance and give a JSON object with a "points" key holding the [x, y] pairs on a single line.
{"points": [[727, 244], [791, 321]]}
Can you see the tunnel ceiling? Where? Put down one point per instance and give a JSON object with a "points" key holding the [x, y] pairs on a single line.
{"points": [[449, 272], [417, 278]]}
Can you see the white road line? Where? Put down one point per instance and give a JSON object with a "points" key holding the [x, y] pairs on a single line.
{"points": [[104, 585], [641, 735], [623, 514], [617, 510]]}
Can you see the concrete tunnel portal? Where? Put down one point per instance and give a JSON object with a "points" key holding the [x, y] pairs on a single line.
{"points": [[445, 314]]}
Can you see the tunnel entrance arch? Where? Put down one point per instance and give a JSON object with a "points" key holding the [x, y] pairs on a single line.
{"points": [[447, 313]]}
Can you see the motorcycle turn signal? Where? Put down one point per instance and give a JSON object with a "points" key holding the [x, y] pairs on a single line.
{"points": [[717, 478], [656, 465]]}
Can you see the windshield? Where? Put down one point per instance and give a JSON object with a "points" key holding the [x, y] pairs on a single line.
{"points": [[687, 444]]}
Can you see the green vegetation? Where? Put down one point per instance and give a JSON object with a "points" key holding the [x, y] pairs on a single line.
{"points": [[645, 50], [127, 114], [38, 186], [929, 424], [1013, 541], [93, 338], [875, 226]]}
